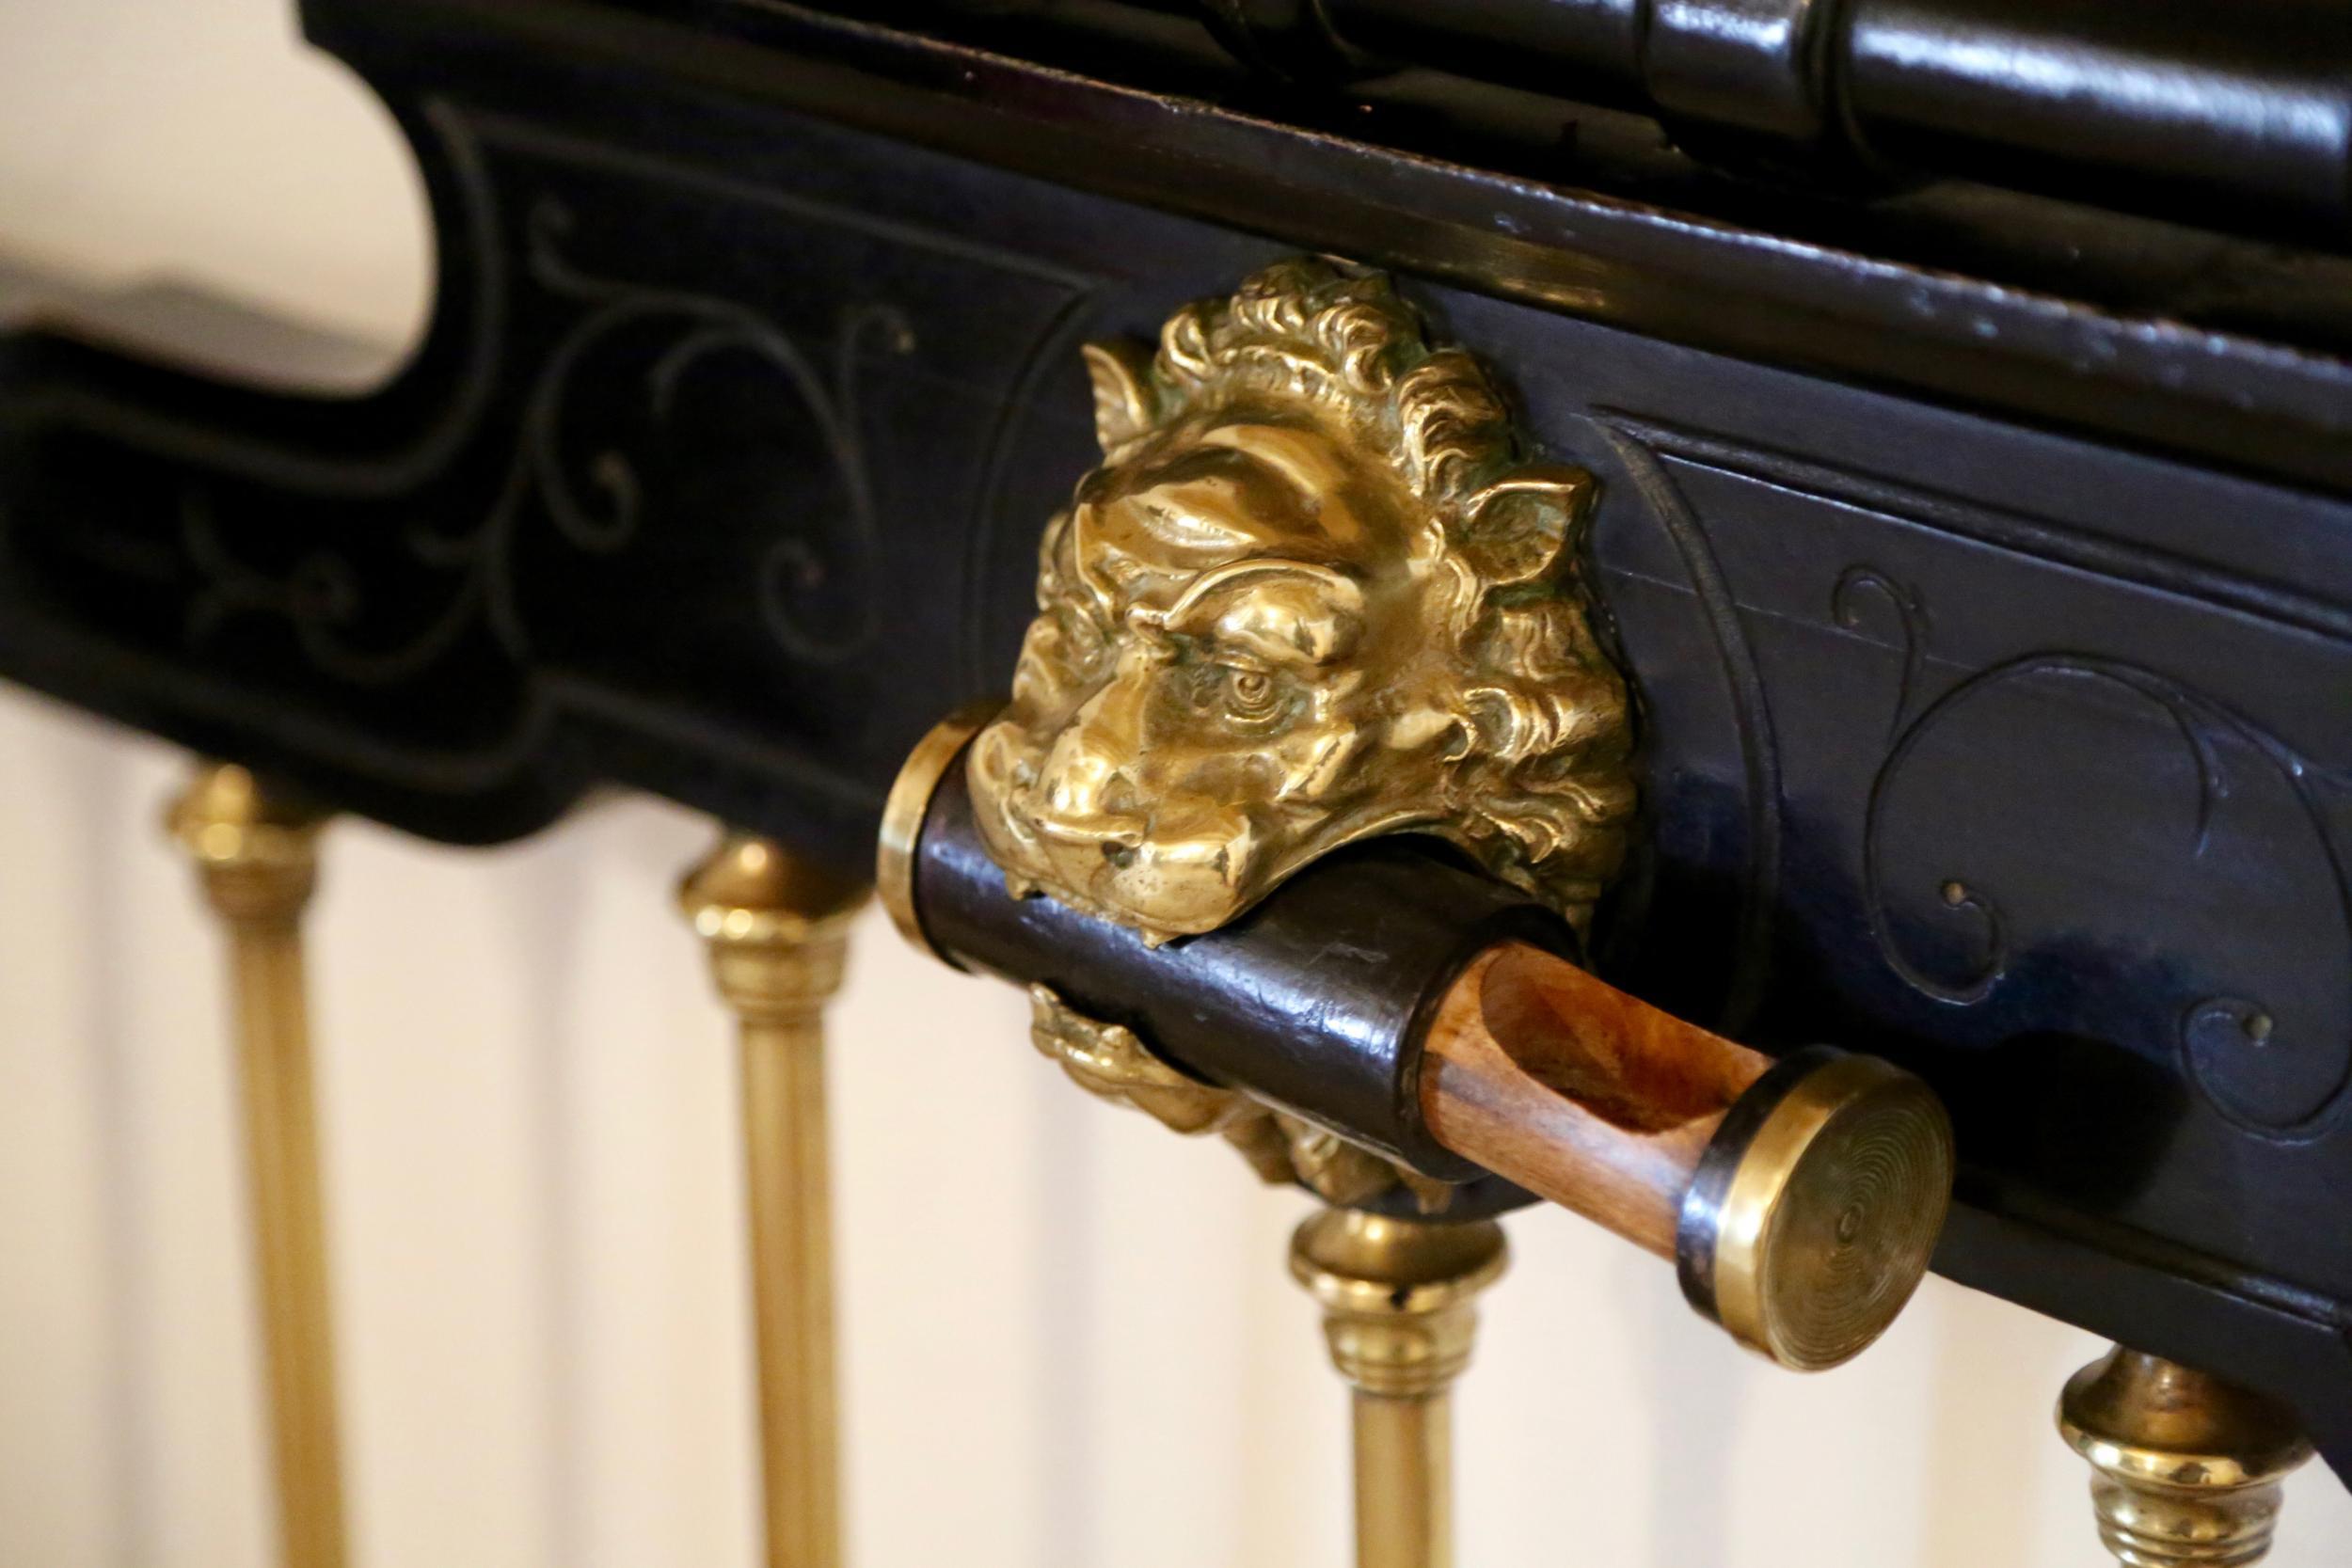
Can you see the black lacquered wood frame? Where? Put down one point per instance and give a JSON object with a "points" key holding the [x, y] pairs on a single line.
{"points": [[1991, 640]]}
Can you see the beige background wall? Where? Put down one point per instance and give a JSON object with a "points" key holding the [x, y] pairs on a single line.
{"points": [[1070, 1342]]}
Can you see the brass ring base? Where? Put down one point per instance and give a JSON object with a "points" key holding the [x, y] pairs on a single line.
{"points": [[2186, 1467]]}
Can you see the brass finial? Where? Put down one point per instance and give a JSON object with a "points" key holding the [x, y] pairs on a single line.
{"points": [[1396, 1297], [775, 925], [777, 928], [256, 847], [2186, 1467]]}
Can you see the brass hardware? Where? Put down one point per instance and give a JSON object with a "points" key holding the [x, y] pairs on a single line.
{"points": [[2186, 1466], [1312, 595], [256, 851], [1111, 1064], [778, 933], [1396, 1296], [1830, 1213], [908, 802]]}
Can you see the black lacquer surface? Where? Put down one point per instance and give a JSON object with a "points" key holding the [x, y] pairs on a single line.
{"points": [[1993, 648], [1316, 999], [2210, 112]]}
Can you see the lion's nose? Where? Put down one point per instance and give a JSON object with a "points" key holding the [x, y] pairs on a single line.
{"points": [[1085, 777], [1087, 802], [1106, 831], [1085, 796]]}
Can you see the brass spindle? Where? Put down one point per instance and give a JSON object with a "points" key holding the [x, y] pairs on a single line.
{"points": [[256, 852], [777, 932], [2186, 1468], [1396, 1296]]}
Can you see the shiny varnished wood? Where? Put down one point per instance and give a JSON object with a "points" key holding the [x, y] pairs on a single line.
{"points": [[1577, 1091]]}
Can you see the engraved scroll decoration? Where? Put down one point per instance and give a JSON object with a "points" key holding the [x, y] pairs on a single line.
{"points": [[2235, 781], [2205, 804], [594, 499]]}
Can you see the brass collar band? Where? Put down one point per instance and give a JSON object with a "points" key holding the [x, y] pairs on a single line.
{"points": [[1816, 1207], [1315, 1002], [910, 803]]}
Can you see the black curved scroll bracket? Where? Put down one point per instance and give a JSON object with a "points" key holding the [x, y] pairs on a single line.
{"points": [[618, 518]]}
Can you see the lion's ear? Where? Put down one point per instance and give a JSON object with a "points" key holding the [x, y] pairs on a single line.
{"points": [[1124, 404], [1516, 530]]}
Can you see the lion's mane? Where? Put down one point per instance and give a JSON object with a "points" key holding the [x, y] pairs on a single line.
{"points": [[1535, 787]]}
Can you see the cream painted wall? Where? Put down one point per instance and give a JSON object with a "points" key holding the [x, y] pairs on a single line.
{"points": [[1069, 1338]]}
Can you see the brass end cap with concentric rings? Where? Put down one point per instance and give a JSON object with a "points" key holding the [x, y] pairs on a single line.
{"points": [[1817, 1207]]}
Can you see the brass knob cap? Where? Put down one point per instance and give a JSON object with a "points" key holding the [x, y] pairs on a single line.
{"points": [[2186, 1466], [1396, 1295], [256, 845], [1817, 1207]]}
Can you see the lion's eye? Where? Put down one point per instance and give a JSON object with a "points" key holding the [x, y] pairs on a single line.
{"points": [[1249, 695], [1235, 694]]}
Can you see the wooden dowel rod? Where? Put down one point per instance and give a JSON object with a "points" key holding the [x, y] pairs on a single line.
{"points": [[1575, 1091]]}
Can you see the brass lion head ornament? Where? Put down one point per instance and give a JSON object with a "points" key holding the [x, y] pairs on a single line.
{"points": [[1311, 595]]}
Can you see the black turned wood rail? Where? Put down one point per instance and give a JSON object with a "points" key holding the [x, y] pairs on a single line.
{"points": [[2241, 111], [1982, 563]]}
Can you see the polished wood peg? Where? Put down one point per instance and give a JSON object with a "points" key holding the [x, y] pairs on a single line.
{"points": [[2186, 1468], [1800, 1200]]}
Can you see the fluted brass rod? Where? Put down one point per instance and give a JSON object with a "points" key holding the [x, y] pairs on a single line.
{"points": [[1396, 1297], [256, 853], [777, 933], [1403, 1481]]}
